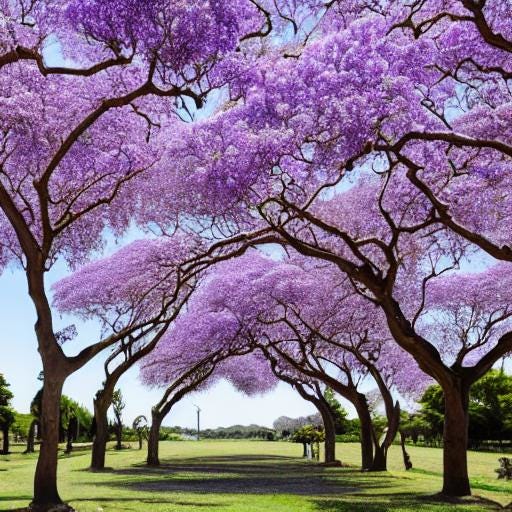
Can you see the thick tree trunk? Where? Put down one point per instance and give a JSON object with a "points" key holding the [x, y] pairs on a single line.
{"points": [[379, 458], [365, 419], [99, 444], [153, 439], [455, 439], [330, 443], [5, 444], [330, 433], [46, 495]]}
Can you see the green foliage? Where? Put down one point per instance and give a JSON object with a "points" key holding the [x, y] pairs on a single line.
{"points": [[414, 426], [232, 432], [5, 393], [490, 410], [85, 417], [7, 417], [21, 424], [118, 404], [380, 424], [169, 434], [341, 423], [7, 414], [490, 407], [354, 426], [347, 438], [69, 409], [308, 434]]}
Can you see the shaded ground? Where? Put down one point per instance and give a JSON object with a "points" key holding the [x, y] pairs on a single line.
{"points": [[240, 474], [244, 476]]}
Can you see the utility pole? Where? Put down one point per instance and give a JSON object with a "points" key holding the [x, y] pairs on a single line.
{"points": [[198, 415]]}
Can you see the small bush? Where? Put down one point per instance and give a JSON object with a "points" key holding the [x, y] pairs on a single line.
{"points": [[347, 438]]}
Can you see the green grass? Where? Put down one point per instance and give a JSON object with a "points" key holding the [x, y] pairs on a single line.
{"points": [[245, 476]]}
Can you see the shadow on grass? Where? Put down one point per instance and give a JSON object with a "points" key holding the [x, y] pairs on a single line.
{"points": [[475, 483], [251, 474], [328, 489]]}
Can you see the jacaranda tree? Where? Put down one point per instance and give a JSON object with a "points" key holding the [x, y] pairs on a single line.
{"points": [[382, 147], [79, 123], [374, 135]]}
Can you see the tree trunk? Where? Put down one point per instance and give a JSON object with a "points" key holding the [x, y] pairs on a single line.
{"points": [[330, 443], [5, 447], [46, 495], [119, 436], [31, 437], [99, 445], [140, 441], [153, 439], [330, 432], [406, 457], [69, 440], [365, 419], [455, 440], [379, 459], [304, 449]]}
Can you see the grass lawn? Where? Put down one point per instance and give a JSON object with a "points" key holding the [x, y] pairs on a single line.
{"points": [[251, 476]]}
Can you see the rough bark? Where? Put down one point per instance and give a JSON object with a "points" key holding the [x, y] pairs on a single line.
{"points": [[455, 440], [329, 430], [392, 416], [153, 439], [46, 495], [99, 445], [365, 419], [330, 438], [380, 456]]}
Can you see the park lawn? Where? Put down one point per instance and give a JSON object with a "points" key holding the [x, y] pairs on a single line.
{"points": [[251, 476]]}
